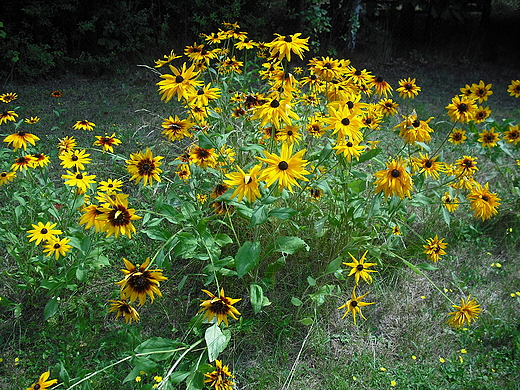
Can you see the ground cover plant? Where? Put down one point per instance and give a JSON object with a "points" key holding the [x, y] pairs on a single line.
{"points": [[278, 221]]}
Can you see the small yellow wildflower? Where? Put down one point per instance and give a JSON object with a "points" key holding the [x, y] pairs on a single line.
{"points": [[463, 351], [393, 383], [382, 369], [414, 357], [138, 379], [442, 360]]}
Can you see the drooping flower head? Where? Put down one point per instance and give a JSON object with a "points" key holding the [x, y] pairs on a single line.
{"points": [[218, 379], [483, 202], [449, 202], [394, 180], [464, 313], [219, 307], [84, 125], [434, 248], [246, 183], [21, 139], [124, 309]]}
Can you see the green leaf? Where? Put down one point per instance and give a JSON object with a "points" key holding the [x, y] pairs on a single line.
{"points": [[259, 215], [140, 363], [283, 213], [178, 376], [256, 294], [333, 266], [427, 267], [216, 341], [412, 267], [247, 257], [222, 239], [311, 281], [322, 293], [357, 186], [296, 301], [446, 215], [367, 156], [306, 321], [205, 141], [158, 344], [290, 244], [157, 233], [81, 273], [50, 309]]}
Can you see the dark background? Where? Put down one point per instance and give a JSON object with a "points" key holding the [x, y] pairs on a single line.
{"points": [[41, 38]]}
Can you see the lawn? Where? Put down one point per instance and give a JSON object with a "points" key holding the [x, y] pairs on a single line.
{"points": [[280, 250]]}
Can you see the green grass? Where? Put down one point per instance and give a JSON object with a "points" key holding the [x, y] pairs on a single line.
{"points": [[273, 349]]}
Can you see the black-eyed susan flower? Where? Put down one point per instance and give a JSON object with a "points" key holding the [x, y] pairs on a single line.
{"points": [[246, 183], [315, 126], [381, 86], [289, 134], [457, 136], [408, 88], [285, 168], [144, 166], [360, 268], [6, 177], [140, 282], [394, 180], [204, 158], [514, 88], [245, 43], [488, 138], [512, 135], [483, 202], [464, 313], [462, 109], [482, 114], [166, 59], [182, 83], [8, 116], [231, 65], [219, 307], [42, 233], [32, 120], [346, 121], [107, 142], [354, 305], [43, 383], [90, 217], [40, 160], [199, 53], [396, 231], [428, 165], [387, 107], [110, 186], [219, 378], [466, 90], [117, 216], [23, 163], [283, 45], [412, 129], [481, 91], [21, 139], [176, 129], [434, 248], [327, 68], [273, 111], [57, 247], [315, 193], [349, 149], [84, 125], [204, 95], [466, 165], [8, 97], [56, 94], [66, 144], [79, 179], [183, 171], [451, 203], [75, 159], [124, 309]]}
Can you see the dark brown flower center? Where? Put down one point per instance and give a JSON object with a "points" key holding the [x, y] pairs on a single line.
{"points": [[395, 173], [485, 198], [289, 133], [357, 73], [282, 165], [428, 163], [179, 79], [3, 174], [200, 92], [360, 267], [353, 303], [57, 246], [44, 231], [119, 216], [275, 103], [463, 107], [350, 144], [345, 121], [79, 176], [74, 158], [288, 39], [416, 123], [219, 307], [379, 79], [350, 105], [408, 86]]}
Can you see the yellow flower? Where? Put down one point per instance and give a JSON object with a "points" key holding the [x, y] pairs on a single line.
{"points": [[285, 168], [274, 110], [512, 135], [462, 109], [412, 129], [219, 307], [144, 166], [394, 180], [218, 379], [360, 268], [21, 139], [450, 203], [247, 183], [514, 88], [84, 125], [428, 166], [6, 177], [76, 159], [43, 383], [124, 309], [204, 158], [182, 83], [355, 304], [106, 142], [434, 248], [464, 313], [488, 138], [457, 136], [408, 88], [41, 232], [117, 217], [8, 116], [79, 179], [481, 91], [176, 129], [282, 46], [58, 247], [442, 360], [483, 202]]}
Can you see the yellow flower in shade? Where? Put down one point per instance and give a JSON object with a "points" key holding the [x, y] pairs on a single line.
{"points": [[387, 107], [327, 68], [76, 159], [144, 166], [285, 168], [57, 247], [349, 149], [408, 88], [140, 282], [124, 309], [32, 120], [218, 379], [21, 139], [229, 65], [110, 186], [84, 125], [482, 114], [246, 183], [219, 307], [182, 83], [8, 97], [91, 213], [42, 233], [483, 202], [66, 144], [354, 305], [462, 109], [396, 231], [466, 90], [43, 383], [429, 166], [204, 158], [283, 45], [450, 203], [176, 129], [23, 163], [197, 53], [457, 136], [514, 88], [488, 138], [202, 198], [434, 248], [107, 142], [40, 160], [273, 111], [381, 86], [412, 129], [346, 121], [481, 91], [8, 116], [394, 180], [512, 135], [464, 313], [360, 268], [6, 177], [79, 179], [117, 216], [315, 126]]}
